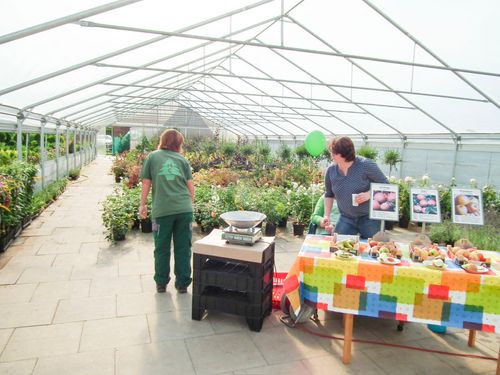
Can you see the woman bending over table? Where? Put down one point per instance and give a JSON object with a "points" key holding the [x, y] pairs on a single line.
{"points": [[347, 181]]}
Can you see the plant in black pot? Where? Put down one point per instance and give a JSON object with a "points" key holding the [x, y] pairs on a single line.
{"points": [[271, 204], [116, 215], [147, 223]]}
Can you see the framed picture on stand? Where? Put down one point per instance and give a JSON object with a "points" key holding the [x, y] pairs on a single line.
{"points": [[384, 202], [467, 206], [425, 205]]}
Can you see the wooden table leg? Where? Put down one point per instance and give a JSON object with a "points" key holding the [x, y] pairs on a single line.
{"points": [[498, 363], [472, 337], [348, 323]]}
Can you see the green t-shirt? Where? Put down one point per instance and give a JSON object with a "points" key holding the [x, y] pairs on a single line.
{"points": [[319, 212], [169, 173]]}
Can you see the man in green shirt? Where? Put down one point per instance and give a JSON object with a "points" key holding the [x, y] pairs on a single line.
{"points": [[169, 173]]}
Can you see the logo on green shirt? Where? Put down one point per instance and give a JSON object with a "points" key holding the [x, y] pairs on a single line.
{"points": [[170, 170]]}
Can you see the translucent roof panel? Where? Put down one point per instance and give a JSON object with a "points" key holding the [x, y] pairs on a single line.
{"points": [[256, 68]]}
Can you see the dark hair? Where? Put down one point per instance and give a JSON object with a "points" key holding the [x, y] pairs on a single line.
{"points": [[342, 146], [172, 140]]}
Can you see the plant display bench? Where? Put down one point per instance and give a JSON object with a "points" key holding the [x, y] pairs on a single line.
{"points": [[235, 279]]}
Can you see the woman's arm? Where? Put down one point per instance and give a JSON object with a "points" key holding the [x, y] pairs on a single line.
{"points": [[319, 210], [190, 187], [143, 208]]}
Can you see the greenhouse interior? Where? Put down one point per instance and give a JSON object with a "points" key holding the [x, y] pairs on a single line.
{"points": [[338, 163]]}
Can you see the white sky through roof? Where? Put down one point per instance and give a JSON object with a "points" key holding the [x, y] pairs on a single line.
{"points": [[331, 69]]}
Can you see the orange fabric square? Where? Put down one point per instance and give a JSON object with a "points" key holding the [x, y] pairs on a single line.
{"points": [[459, 280], [374, 271], [428, 308]]}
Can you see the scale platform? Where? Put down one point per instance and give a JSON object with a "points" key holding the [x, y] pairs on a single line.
{"points": [[246, 236]]}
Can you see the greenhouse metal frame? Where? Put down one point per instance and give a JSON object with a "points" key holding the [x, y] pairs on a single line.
{"points": [[272, 70]]}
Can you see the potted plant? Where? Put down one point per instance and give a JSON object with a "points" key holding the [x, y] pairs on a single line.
{"points": [[116, 215], [404, 203], [367, 152], [271, 204], [392, 158], [301, 201], [119, 168]]}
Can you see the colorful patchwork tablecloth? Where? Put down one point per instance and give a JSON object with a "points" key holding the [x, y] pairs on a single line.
{"points": [[408, 291]]}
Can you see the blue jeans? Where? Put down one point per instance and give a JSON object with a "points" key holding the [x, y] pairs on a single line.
{"points": [[363, 225]]}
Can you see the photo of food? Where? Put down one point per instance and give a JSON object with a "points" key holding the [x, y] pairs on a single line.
{"points": [[467, 206], [424, 204], [384, 200]]}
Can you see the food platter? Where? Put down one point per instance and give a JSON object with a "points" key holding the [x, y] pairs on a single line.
{"points": [[472, 268], [344, 255], [431, 264], [389, 260]]}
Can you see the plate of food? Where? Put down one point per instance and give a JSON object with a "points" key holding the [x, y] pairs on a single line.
{"points": [[388, 259], [474, 268], [436, 264], [343, 254]]}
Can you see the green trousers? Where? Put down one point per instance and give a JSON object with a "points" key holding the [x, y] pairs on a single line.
{"points": [[178, 226]]}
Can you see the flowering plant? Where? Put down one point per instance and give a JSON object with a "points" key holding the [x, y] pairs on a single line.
{"points": [[301, 201]]}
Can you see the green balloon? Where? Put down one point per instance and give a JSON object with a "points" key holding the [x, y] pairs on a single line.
{"points": [[315, 143]]}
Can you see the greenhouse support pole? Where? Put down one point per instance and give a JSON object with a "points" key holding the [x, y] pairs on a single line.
{"points": [[74, 146], [58, 124], [455, 156], [403, 147], [67, 149], [80, 142], [43, 122], [19, 138]]}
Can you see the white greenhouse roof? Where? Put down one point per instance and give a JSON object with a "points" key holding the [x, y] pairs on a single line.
{"points": [[273, 68]]}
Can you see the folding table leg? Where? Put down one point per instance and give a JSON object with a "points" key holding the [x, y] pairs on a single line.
{"points": [[472, 338]]}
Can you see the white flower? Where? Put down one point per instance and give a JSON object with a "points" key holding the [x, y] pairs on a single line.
{"points": [[425, 177], [409, 180], [473, 182]]}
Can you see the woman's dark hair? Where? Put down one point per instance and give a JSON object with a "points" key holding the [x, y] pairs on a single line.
{"points": [[172, 140], [344, 147]]}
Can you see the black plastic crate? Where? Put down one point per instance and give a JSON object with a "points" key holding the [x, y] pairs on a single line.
{"points": [[234, 276], [231, 302]]}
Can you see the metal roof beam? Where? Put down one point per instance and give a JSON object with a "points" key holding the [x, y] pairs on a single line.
{"points": [[122, 50], [421, 45], [210, 74], [286, 48], [64, 20]]}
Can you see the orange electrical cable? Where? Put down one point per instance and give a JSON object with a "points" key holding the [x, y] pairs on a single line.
{"points": [[300, 327]]}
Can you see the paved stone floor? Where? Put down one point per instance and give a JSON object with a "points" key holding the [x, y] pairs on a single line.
{"points": [[72, 303]]}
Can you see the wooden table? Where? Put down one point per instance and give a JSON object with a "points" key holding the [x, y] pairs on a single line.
{"points": [[405, 292]]}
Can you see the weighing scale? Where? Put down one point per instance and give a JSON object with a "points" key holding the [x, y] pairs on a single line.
{"points": [[242, 227]]}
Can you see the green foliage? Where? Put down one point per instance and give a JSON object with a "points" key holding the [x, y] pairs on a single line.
{"points": [[272, 202], [18, 192], [145, 145], [392, 158], [247, 150], [285, 153], [446, 233], [228, 149], [301, 152], [368, 152], [485, 238], [264, 150], [301, 202], [74, 174], [117, 214], [42, 198]]}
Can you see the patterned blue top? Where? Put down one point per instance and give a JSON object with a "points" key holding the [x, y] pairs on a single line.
{"points": [[359, 176]]}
